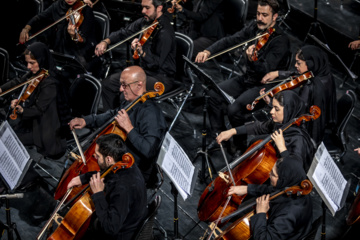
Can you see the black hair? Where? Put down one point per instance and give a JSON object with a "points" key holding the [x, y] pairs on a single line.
{"points": [[272, 3], [157, 3], [278, 164], [300, 54], [111, 145], [280, 98]]}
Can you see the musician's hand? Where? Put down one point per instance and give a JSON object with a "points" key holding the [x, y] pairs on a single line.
{"points": [[89, 3], [75, 182], [354, 45], [24, 35], [279, 140], [77, 123], [122, 118], [97, 183], [101, 47], [269, 77], [262, 204], [250, 51], [177, 5], [239, 190], [71, 30], [357, 150], [0, 90], [225, 135], [134, 43], [265, 98], [13, 103], [202, 56]]}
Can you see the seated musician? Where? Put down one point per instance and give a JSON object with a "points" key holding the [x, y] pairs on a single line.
{"points": [[319, 90], [120, 198], [244, 89], [62, 38], [37, 121], [157, 55], [284, 217], [286, 105], [206, 22], [144, 124]]}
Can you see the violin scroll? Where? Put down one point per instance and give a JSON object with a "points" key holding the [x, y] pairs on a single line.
{"points": [[304, 189], [127, 161]]}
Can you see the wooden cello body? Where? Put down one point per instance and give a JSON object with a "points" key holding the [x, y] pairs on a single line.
{"points": [[354, 213], [254, 170]]}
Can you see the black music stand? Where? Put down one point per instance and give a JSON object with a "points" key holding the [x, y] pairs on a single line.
{"points": [[208, 84], [10, 226], [315, 25]]}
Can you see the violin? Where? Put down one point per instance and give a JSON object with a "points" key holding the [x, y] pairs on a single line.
{"points": [[294, 83], [172, 9], [253, 167], [77, 219], [76, 19], [240, 229], [111, 126], [145, 36], [35, 81], [260, 43]]}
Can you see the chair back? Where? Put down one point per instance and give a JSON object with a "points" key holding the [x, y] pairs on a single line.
{"points": [[235, 15], [184, 46], [84, 95], [39, 6], [103, 25], [146, 230], [345, 108], [4, 66]]}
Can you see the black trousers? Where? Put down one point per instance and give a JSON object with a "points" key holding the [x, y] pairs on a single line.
{"points": [[111, 88], [244, 93]]}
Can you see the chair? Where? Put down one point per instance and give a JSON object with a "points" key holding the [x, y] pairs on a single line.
{"points": [[84, 97], [235, 15], [103, 27], [146, 230], [283, 13], [39, 6], [314, 228], [4, 63], [336, 139], [184, 47]]}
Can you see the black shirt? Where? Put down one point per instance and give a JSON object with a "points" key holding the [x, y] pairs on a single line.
{"points": [[160, 48], [272, 56]]}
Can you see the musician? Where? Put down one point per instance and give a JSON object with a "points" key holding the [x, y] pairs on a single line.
{"points": [[319, 91], [62, 38], [286, 105], [119, 198], [37, 121], [245, 89], [289, 217], [206, 22], [157, 55], [144, 124]]}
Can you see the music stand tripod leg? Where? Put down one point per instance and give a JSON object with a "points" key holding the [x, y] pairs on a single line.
{"points": [[206, 160], [9, 226], [175, 192], [315, 25]]}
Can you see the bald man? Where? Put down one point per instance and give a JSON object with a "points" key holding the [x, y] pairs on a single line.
{"points": [[144, 123]]}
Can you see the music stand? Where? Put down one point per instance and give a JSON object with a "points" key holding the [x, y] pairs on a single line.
{"points": [[208, 84], [315, 25]]}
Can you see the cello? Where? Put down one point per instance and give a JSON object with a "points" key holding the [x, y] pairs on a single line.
{"points": [[240, 229], [90, 164], [294, 83], [253, 167], [354, 213], [77, 219]]}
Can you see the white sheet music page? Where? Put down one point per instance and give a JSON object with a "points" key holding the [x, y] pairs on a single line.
{"points": [[13, 155], [329, 179], [177, 165]]}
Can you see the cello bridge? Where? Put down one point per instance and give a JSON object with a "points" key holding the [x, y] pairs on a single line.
{"points": [[224, 177]]}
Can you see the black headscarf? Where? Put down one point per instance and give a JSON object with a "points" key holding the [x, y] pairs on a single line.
{"points": [[290, 172], [316, 60], [43, 56]]}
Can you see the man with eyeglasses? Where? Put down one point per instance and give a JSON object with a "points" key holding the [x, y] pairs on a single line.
{"points": [[144, 124], [157, 54]]}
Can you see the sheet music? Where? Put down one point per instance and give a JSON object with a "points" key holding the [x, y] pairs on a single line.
{"points": [[328, 179], [13, 155], [177, 165]]}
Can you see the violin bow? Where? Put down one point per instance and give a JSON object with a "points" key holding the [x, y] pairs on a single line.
{"points": [[79, 146], [132, 36], [59, 20], [236, 46]]}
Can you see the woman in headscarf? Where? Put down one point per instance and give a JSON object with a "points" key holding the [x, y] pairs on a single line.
{"points": [[38, 122], [286, 106], [289, 217], [319, 91], [62, 37]]}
